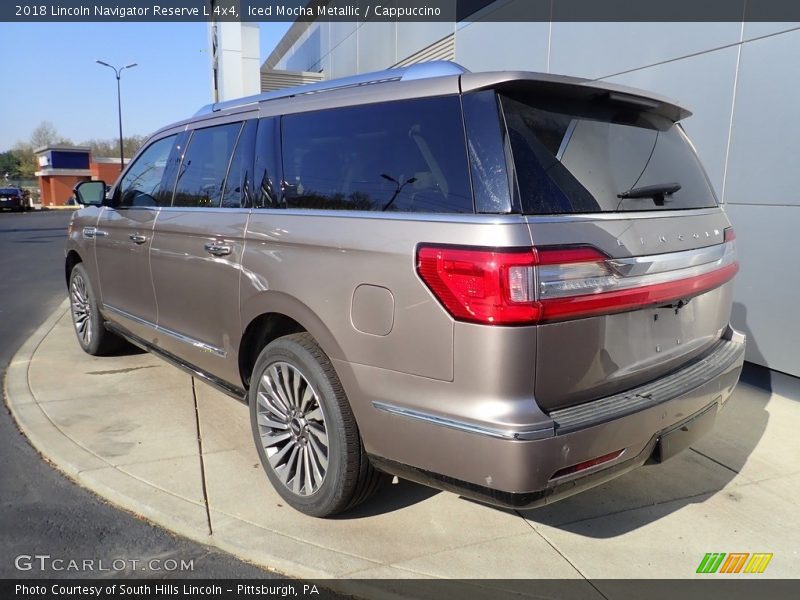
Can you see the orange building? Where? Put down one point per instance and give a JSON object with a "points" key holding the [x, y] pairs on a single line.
{"points": [[62, 167]]}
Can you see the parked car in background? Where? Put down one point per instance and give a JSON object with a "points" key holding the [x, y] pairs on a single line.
{"points": [[510, 285], [13, 198]]}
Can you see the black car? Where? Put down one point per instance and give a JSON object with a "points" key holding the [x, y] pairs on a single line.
{"points": [[12, 198]]}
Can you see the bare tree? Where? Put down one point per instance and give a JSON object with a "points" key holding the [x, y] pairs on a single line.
{"points": [[46, 134]]}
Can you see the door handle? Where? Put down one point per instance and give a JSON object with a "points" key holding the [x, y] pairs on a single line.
{"points": [[93, 232], [217, 249], [137, 238]]}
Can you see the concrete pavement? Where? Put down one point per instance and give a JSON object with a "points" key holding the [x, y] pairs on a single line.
{"points": [[41, 511], [126, 427]]}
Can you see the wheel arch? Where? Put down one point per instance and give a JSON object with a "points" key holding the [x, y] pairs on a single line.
{"points": [[271, 315], [72, 259]]}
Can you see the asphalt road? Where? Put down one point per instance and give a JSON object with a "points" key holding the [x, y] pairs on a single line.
{"points": [[41, 511]]}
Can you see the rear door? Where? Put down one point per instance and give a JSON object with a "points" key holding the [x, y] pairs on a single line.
{"points": [[123, 236], [197, 249], [634, 269]]}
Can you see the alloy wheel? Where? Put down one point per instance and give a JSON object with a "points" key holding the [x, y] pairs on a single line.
{"points": [[81, 309], [291, 425]]}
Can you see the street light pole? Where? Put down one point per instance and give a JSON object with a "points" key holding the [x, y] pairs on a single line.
{"points": [[118, 74]]}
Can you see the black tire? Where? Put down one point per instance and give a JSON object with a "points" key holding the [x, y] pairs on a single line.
{"points": [[348, 478], [86, 316]]}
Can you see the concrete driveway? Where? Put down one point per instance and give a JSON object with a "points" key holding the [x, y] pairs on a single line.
{"points": [[152, 440]]}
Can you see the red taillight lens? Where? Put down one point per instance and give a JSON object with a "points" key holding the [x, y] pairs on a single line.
{"points": [[587, 464], [730, 234], [542, 285], [481, 285]]}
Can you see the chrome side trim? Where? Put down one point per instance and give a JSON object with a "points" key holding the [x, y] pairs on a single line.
{"points": [[173, 334], [505, 434], [128, 315]]}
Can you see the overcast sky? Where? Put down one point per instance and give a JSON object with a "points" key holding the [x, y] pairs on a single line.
{"points": [[48, 72]]}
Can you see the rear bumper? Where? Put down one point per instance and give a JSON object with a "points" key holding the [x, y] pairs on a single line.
{"points": [[651, 422], [13, 204]]}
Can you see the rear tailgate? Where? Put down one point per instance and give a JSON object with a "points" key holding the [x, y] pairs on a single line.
{"points": [[634, 258], [580, 359]]}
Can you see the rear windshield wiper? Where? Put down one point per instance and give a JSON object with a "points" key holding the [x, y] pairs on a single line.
{"points": [[657, 192]]}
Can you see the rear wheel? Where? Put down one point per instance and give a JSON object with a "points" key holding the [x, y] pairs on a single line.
{"points": [[92, 335], [305, 433]]}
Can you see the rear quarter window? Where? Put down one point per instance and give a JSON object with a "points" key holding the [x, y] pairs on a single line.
{"points": [[584, 160], [404, 156]]}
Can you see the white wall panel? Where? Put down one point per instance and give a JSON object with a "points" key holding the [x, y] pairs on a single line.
{"points": [[595, 50], [765, 138]]}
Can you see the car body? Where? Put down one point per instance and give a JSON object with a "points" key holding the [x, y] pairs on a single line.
{"points": [[510, 285], [13, 198]]}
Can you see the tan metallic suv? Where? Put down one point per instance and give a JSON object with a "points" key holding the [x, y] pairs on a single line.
{"points": [[510, 285]]}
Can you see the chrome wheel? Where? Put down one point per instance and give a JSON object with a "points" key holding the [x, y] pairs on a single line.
{"points": [[81, 309], [291, 426]]}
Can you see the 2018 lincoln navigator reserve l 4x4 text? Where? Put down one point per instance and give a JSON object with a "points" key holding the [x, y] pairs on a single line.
{"points": [[510, 285]]}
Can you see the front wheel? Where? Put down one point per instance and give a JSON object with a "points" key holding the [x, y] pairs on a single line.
{"points": [[92, 335], [305, 433]]}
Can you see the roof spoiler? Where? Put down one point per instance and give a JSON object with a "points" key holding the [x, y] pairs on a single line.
{"points": [[575, 88]]}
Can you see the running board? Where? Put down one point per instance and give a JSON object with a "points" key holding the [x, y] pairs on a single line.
{"points": [[215, 382]]}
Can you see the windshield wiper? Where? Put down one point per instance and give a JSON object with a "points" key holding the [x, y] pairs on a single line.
{"points": [[656, 192]]}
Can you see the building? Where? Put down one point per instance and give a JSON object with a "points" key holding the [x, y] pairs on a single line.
{"points": [[63, 167], [736, 77]]}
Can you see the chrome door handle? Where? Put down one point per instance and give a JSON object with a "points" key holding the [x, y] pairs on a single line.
{"points": [[93, 232], [137, 238], [217, 249]]}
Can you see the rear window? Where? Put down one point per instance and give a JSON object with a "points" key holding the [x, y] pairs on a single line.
{"points": [[576, 159], [9, 192], [404, 156]]}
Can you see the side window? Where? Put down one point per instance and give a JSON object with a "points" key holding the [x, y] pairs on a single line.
{"points": [[201, 175], [141, 183], [404, 156], [267, 164], [238, 189]]}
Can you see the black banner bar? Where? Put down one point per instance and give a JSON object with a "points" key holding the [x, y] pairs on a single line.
{"points": [[400, 10], [710, 587]]}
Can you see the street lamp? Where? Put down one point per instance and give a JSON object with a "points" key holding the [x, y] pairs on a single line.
{"points": [[118, 72]]}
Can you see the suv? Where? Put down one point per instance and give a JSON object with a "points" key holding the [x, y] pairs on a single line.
{"points": [[510, 285]]}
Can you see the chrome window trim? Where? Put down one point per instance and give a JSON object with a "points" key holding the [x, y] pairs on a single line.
{"points": [[573, 123], [173, 334], [207, 209], [546, 431]]}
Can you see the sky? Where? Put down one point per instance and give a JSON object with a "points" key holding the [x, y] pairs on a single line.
{"points": [[48, 73]]}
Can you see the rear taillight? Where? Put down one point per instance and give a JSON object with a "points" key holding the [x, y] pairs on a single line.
{"points": [[495, 287], [547, 284]]}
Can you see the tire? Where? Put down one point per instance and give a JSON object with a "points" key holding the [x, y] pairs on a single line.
{"points": [[92, 335], [305, 433]]}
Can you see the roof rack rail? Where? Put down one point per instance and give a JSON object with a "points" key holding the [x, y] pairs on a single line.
{"points": [[436, 68]]}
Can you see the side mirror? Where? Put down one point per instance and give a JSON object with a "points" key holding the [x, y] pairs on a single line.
{"points": [[91, 193]]}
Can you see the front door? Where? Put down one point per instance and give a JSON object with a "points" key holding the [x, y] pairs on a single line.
{"points": [[123, 238], [197, 250]]}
